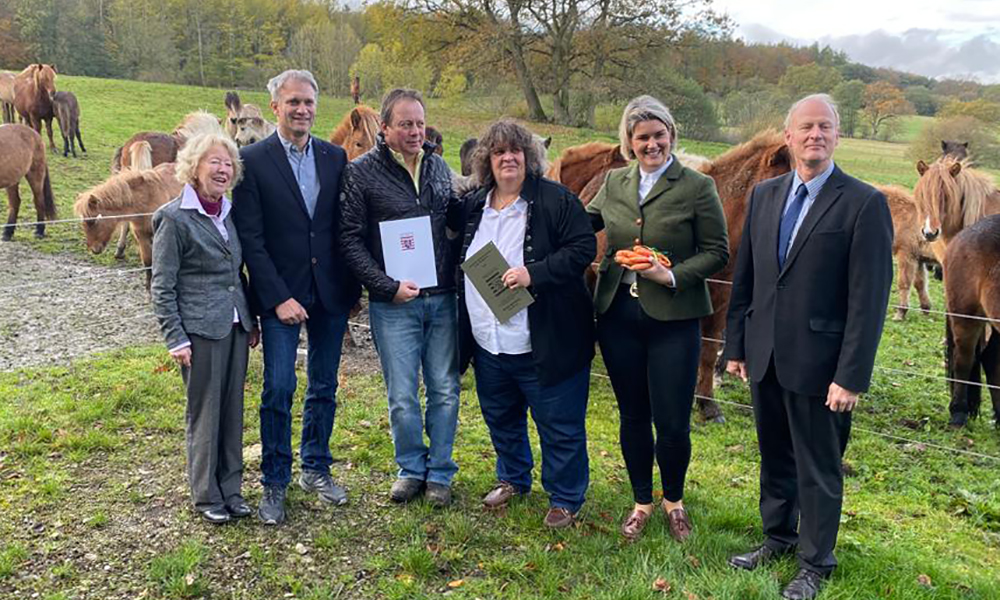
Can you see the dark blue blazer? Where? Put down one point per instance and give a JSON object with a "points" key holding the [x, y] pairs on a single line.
{"points": [[287, 254]]}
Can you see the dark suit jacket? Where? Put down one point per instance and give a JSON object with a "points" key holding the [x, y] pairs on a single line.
{"points": [[559, 245], [821, 317], [288, 254]]}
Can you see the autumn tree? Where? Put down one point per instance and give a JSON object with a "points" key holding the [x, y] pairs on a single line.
{"points": [[882, 102], [799, 81], [849, 96]]}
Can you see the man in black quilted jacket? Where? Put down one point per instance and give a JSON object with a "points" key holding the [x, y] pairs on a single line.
{"points": [[414, 328]]}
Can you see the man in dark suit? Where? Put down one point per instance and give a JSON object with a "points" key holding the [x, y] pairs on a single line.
{"points": [[809, 298], [286, 212]]}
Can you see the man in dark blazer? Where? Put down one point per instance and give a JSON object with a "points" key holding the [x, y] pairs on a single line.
{"points": [[809, 298], [286, 212]]}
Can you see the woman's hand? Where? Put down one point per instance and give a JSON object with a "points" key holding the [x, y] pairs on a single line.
{"points": [[254, 337], [657, 272], [516, 277], [182, 356]]}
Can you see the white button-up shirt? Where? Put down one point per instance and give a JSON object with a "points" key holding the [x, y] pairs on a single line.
{"points": [[505, 228]]}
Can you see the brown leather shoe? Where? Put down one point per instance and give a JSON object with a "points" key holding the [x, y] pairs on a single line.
{"points": [[634, 524], [500, 495], [679, 524], [558, 518]]}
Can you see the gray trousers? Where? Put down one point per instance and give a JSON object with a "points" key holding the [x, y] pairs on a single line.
{"points": [[214, 419]]}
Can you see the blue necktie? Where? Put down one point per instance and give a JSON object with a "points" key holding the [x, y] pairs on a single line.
{"points": [[788, 223]]}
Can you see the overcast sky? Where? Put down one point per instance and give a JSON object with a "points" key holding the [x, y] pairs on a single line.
{"points": [[943, 38]]}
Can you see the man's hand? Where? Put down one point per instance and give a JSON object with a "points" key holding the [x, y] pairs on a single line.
{"points": [[737, 368], [516, 277], [182, 356], [406, 291], [290, 312], [254, 337], [839, 399]]}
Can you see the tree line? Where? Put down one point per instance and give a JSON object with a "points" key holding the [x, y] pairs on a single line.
{"points": [[574, 62]]}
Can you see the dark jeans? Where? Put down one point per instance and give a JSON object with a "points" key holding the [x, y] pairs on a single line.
{"points": [[325, 334], [653, 367], [801, 444], [507, 386]]}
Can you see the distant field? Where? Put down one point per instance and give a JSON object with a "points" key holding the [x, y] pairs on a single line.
{"points": [[94, 500]]}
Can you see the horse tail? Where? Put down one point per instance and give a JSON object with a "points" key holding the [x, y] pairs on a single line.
{"points": [[141, 154], [48, 198]]}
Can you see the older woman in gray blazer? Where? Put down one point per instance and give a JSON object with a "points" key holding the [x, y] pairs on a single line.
{"points": [[199, 299]]}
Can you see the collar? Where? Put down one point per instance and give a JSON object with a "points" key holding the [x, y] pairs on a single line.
{"points": [[402, 159], [189, 201], [288, 146], [655, 175], [520, 205], [814, 185]]}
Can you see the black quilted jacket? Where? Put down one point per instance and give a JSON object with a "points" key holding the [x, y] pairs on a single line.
{"points": [[377, 188]]}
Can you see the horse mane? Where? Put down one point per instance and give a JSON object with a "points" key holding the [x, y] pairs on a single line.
{"points": [[197, 122], [935, 186], [117, 193], [740, 167], [368, 120], [978, 190]]}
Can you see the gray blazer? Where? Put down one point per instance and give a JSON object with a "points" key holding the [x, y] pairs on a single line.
{"points": [[197, 276]]}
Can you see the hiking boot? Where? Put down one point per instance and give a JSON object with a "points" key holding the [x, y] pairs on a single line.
{"points": [[314, 481], [438, 495], [272, 506], [405, 490]]}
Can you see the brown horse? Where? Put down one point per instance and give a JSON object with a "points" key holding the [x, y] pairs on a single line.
{"points": [[33, 89], [7, 96], [106, 205], [950, 196], [582, 169], [68, 114], [356, 131], [245, 123], [911, 250], [972, 287], [356, 89], [23, 153]]}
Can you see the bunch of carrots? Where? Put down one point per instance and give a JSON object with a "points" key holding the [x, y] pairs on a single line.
{"points": [[637, 259]]}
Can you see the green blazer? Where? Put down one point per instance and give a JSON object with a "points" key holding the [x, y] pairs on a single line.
{"points": [[682, 217]]}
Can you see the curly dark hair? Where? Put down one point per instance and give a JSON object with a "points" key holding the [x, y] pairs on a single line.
{"points": [[501, 135]]}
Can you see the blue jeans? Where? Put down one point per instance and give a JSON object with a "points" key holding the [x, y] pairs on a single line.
{"points": [[508, 386], [325, 334], [420, 333]]}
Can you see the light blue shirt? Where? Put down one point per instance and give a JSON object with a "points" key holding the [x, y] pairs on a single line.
{"points": [[303, 166], [813, 187]]}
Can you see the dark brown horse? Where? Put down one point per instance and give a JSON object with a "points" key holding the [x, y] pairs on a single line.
{"points": [[68, 114], [33, 89], [972, 287], [582, 170], [23, 155], [434, 136]]}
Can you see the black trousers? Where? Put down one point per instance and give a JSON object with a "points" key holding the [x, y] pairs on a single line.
{"points": [[801, 444], [653, 367]]}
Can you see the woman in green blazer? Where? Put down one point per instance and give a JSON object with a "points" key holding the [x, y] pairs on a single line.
{"points": [[648, 320]]}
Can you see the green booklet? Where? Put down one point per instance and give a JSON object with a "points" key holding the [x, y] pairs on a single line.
{"points": [[485, 269]]}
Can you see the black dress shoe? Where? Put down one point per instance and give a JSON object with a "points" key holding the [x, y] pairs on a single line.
{"points": [[239, 509], [756, 557], [216, 516], [804, 586]]}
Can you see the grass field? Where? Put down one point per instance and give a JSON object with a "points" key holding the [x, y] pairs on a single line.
{"points": [[94, 503]]}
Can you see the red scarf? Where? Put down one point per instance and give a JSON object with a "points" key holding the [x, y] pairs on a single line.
{"points": [[212, 208]]}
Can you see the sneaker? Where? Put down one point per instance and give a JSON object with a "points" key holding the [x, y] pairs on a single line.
{"points": [[272, 506], [405, 490], [438, 495], [313, 481]]}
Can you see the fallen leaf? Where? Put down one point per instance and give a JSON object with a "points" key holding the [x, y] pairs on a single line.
{"points": [[693, 561], [189, 579], [456, 583], [661, 585], [924, 580], [301, 548], [690, 595]]}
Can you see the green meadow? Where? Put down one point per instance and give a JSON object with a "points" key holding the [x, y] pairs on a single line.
{"points": [[94, 504]]}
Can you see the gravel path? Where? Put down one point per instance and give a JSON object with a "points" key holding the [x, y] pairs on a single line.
{"points": [[55, 308]]}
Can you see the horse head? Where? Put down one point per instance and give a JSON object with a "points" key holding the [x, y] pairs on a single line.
{"points": [[45, 78], [937, 195], [251, 129], [364, 126], [97, 228], [233, 108]]}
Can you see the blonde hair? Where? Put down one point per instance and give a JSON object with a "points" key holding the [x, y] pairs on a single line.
{"points": [[195, 149], [644, 108]]}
